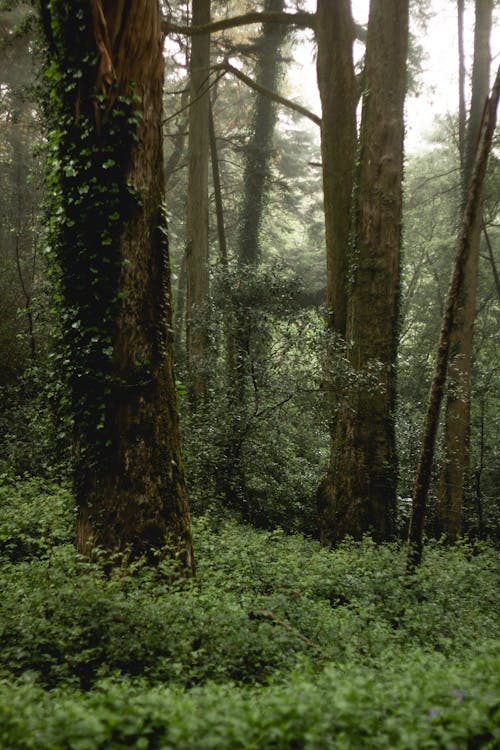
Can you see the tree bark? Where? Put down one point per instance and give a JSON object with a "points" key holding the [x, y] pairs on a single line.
{"points": [[108, 234], [338, 92], [197, 287], [219, 205], [457, 413], [359, 494], [301, 19], [422, 482], [461, 82], [258, 151]]}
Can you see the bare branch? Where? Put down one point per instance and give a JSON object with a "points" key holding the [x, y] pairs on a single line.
{"points": [[303, 20], [228, 68], [491, 258], [266, 614]]}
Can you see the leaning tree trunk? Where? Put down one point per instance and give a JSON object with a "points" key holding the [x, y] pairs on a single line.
{"points": [[456, 426], [473, 206], [108, 235], [359, 494], [197, 277]]}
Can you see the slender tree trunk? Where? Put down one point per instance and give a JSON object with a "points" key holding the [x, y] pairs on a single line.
{"points": [[359, 494], [457, 413], [219, 205], [461, 83], [422, 482], [256, 183], [180, 314], [110, 246], [259, 149], [197, 287], [479, 473], [338, 90]]}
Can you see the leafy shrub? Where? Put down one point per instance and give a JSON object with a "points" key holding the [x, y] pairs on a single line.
{"points": [[277, 643], [415, 702], [262, 603], [34, 517]]}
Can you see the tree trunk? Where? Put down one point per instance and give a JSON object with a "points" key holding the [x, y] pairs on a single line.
{"points": [[197, 288], [461, 83], [338, 92], [422, 482], [259, 149], [219, 205], [245, 333], [359, 494], [108, 235], [457, 413]]}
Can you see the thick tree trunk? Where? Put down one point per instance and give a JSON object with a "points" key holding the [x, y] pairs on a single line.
{"points": [[359, 494], [110, 245], [457, 412], [197, 287]]}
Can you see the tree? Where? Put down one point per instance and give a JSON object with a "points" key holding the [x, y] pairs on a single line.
{"points": [[258, 150], [457, 412], [197, 276], [247, 333], [359, 492], [463, 250], [109, 241], [339, 97]]}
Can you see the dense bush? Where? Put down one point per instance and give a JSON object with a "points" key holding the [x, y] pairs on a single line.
{"points": [[424, 702], [277, 643]]}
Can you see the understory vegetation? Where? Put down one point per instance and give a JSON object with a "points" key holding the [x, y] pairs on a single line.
{"points": [[276, 642]]}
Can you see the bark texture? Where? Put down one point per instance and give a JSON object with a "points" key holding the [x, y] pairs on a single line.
{"points": [[197, 289], [359, 494], [457, 412], [338, 92], [259, 149], [422, 482], [111, 249]]}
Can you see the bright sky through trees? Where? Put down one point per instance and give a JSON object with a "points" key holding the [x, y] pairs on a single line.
{"points": [[438, 86]]}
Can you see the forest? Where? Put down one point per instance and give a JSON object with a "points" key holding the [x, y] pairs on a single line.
{"points": [[249, 375]]}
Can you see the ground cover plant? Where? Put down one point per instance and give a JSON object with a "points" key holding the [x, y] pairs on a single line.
{"points": [[276, 643]]}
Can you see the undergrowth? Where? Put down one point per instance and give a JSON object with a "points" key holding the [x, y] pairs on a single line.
{"points": [[277, 643]]}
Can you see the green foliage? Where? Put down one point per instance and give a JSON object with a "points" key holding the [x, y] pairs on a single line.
{"points": [[278, 643], [34, 429], [411, 704], [35, 517], [245, 446]]}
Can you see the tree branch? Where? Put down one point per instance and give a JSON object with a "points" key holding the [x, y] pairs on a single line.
{"points": [[228, 68], [266, 614], [491, 258], [303, 20]]}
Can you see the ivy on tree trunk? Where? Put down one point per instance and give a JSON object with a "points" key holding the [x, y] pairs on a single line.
{"points": [[111, 266]]}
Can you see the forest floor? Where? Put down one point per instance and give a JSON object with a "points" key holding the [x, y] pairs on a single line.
{"points": [[277, 643]]}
